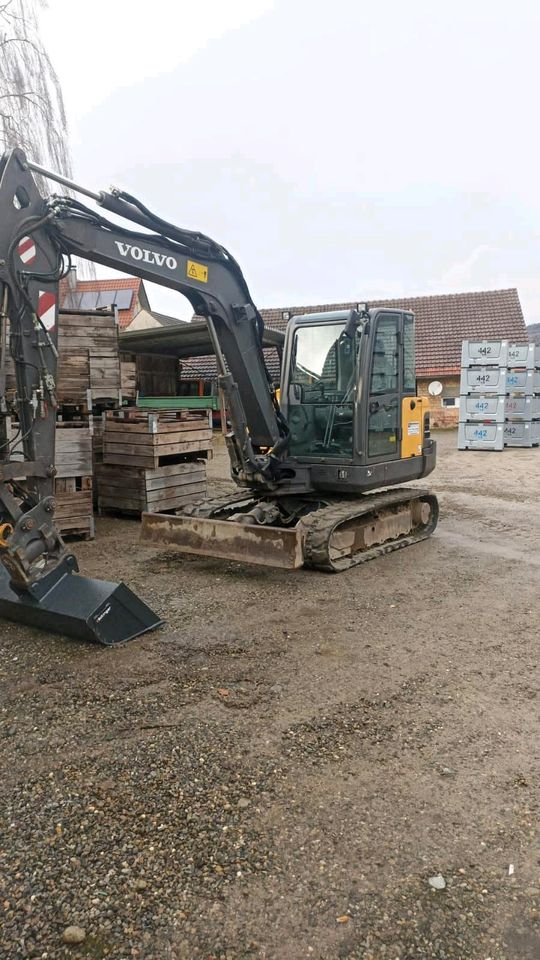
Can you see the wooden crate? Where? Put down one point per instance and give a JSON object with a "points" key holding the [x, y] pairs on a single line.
{"points": [[159, 490], [97, 449], [89, 359], [136, 438], [73, 484], [74, 514], [73, 457], [128, 375], [156, 376]]}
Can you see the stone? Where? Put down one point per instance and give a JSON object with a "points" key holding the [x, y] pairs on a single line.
{"points": [[438, 882], [74, 934]]}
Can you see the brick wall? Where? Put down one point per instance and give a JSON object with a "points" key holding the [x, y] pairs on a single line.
{"points": [[441, 416]]}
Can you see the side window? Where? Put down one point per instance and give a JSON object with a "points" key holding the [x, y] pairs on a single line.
{"points": [[409, 363], [384, 374]]}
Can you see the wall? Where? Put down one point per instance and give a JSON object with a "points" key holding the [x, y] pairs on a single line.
{"points": [[143, 321], [441, 416]]}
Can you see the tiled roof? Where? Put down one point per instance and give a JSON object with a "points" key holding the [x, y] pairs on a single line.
{"points": [[205, 368], [443, 321]]}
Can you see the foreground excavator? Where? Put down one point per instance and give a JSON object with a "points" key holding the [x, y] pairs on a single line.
{"points": [[348, 421]]}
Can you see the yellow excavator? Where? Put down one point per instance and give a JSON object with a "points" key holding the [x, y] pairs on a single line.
{"points": [[312, 470]]}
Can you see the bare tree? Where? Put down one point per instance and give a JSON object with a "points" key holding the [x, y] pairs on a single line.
{"points": [[32, 114]]}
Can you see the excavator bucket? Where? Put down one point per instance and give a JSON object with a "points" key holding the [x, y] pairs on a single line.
{"points": [[244, 542], [86, 609]]}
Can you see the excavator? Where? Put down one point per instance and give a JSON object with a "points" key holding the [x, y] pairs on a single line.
{"points": [[316, 466]]}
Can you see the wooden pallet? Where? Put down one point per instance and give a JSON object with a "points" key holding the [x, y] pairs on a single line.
{"points": [[165, 489], [136, 438]]}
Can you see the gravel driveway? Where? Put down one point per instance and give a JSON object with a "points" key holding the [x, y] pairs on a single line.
{"points": [[280, 771]]}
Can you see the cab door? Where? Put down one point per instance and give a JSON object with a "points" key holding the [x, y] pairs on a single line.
{"points": [[385, 388]]}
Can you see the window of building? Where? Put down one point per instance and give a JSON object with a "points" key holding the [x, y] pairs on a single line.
{"points": [[450, 401]]}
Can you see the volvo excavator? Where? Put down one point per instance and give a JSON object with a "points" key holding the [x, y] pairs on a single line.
{"points": [[313, 467]]}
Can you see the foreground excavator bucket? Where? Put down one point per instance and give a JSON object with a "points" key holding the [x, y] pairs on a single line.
{"points": [[79, 607], [247, 543]]}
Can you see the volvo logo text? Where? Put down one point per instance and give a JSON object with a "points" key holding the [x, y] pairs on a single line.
{"points": [[146, 256]]}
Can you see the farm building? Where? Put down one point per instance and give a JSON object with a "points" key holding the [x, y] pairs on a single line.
{"points": [[443, 321]]}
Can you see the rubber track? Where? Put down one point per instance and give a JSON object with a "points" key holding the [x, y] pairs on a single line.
{"points": [[320, 526]]}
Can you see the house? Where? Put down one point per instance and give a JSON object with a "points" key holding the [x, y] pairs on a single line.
{"points": [[128, 294], [443, 321]]}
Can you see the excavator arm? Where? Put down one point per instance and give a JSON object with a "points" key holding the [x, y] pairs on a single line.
{"points": [[37, 236]]}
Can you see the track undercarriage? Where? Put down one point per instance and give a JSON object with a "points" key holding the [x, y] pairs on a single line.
{"points": [[324, 533]]}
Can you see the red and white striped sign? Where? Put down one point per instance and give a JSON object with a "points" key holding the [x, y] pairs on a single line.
{"points": [[47, 309], [27, 250]]}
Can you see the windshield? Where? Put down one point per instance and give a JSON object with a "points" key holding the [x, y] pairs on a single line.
{"points": [[321, 391], [323, 363]]}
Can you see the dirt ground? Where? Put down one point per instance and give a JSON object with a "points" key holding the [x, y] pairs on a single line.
{"points": [[279, 771]]}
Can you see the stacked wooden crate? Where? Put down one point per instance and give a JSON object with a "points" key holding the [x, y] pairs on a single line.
{"points": [[74, 514], [89, 361], [128, 375], [88, 371], [73, 481], [153, 461]]}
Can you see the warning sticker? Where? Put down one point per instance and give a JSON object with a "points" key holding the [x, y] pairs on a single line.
{"points": [[414, 429], [197, 271]]}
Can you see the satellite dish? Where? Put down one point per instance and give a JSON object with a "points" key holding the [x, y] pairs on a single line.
{"points": [[435, 388]]}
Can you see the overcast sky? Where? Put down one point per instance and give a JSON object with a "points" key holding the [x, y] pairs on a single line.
{"points": [[341, 150]]}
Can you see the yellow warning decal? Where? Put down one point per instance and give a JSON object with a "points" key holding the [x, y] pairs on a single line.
{"points": [[197, 271]]}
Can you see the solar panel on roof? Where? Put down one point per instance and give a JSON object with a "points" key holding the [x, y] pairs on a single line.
{"points": [[106, 298], [123, 299], [88, 300]]}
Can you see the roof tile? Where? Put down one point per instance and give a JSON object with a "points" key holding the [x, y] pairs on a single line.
{"points": [[443, 321]]}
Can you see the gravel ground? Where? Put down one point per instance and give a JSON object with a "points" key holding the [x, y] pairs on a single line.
{"points": [[279, 771]]}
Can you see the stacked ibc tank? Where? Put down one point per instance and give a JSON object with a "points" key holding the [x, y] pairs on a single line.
{"points": [[499, 395]]}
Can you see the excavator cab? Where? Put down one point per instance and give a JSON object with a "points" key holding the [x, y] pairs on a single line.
{"points": [[348, 393]]}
